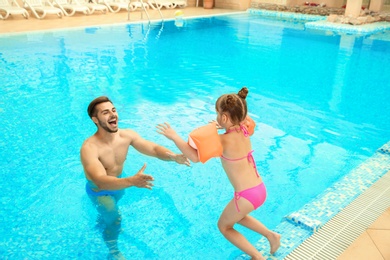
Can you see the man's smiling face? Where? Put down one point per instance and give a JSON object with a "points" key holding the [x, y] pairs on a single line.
{"points": [[107, 117]]}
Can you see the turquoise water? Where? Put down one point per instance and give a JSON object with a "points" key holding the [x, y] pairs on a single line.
{"points": [[319, 100]]}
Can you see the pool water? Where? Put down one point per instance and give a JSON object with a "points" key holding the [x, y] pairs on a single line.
{"points": [[319, 100]]}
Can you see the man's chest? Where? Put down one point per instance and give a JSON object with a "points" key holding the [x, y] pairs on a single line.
{"points": [[115, 155]]}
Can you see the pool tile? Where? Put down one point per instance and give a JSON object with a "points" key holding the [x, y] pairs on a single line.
{"points": [[319, 22], [364, 29], [289, 15]]}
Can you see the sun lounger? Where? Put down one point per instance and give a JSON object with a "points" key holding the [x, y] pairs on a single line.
{"points": [[180, 3], [117, 5], [114, 6], [11, 7], [69, 8], [169, 4], [158, 4], [42, 8], [135, 4], [92, 5]]}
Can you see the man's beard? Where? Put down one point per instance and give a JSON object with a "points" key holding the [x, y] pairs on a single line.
{"points": [[105, 127]]}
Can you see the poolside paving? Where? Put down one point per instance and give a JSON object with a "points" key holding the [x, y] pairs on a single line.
{"points": [[18, 24], [372, 244]]}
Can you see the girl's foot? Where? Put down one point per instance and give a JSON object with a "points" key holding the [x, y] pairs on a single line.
{"points": [[274, 241], [260, 257]]}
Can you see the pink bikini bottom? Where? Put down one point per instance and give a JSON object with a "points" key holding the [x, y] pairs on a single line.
{"points": [[255, 195]]}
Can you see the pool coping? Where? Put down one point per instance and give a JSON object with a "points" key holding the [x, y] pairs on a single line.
{"points": [[319, 22], [345, 227]]}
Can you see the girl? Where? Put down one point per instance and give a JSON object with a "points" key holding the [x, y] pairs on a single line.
{"points": [[240, 167]]}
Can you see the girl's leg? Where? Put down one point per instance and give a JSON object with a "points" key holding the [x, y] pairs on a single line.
{"points": [[229, 217], [255, 225]]}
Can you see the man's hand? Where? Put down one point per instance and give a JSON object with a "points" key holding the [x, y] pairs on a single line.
{"points": [[142, 180], [179, 158]]}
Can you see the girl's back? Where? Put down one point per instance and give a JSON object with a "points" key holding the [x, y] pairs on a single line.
{"points": [[237, 160]]}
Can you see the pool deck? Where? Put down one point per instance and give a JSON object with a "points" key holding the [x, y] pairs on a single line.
{"points": [[373, 243], [19, 24]]}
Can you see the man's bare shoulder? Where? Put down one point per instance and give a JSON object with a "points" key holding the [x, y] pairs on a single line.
{"points": [[90, 143], [129, 134]]}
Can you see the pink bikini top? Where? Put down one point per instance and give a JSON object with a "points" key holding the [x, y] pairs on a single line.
{"points": [[249, 156]]}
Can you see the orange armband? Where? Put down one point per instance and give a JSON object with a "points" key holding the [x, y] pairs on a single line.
{"points": [[250, 125], [206, 141]]}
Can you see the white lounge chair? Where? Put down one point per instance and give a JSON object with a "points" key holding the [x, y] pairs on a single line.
{"points": [[117, 5], [69, 8], [114, 6], [42, 7], [11, 8], [180, 3], [135, 4], [93, 6], [158, 4]]}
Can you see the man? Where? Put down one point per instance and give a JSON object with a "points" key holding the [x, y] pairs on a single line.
{"points": [[103, 156]]}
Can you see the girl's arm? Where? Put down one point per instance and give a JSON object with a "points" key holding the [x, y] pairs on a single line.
{"points": [[189, 152], [152, 149]]}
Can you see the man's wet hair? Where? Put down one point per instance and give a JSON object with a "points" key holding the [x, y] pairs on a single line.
{"points": [[91, 108]]}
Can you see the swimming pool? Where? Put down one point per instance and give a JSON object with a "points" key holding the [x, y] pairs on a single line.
{"points": [[319, 99]]}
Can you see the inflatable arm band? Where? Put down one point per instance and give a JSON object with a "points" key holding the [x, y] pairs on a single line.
{"points": [[250, 125], [206, 141]]}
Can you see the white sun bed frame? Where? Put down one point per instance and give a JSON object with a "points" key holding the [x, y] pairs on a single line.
{"points": [[70, 8], [42, 8], [11, 7]]}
